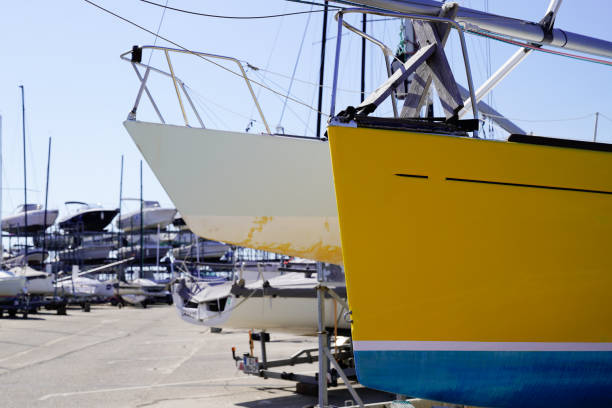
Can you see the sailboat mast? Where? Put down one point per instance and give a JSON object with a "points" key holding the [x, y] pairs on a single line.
{"points": [[46, 198], [1, 238], [141, 225], [25, 178], [322, 69]]}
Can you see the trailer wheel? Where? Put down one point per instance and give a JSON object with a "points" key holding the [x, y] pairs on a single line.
{"points": [[87, 307], [12, 313], [1, 313], [61, 310], [25, 315], [119, 305]]}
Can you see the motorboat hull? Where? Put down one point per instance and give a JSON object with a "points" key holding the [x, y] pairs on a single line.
{"points": [[201, 250], [152, 218], [273, 193], [86, 253], [500, 268], [88, 220], [15, 224]]}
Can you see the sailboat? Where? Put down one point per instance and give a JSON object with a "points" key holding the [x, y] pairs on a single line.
{"points": [[283, 220], [503, 283]]}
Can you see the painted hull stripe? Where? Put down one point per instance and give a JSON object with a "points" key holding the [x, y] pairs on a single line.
{"points": [[366, 345]]}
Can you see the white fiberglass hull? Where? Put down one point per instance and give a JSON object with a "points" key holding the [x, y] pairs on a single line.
{"points": [[86, 287], [36, 221], [218, 307], [11, 285], [37, 283], [151, 218], [274, 193]]}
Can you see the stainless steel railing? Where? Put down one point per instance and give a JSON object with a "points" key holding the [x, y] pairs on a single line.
{"points": [[179, 85]]}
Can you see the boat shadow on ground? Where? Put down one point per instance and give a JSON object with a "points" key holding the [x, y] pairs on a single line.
{"points": [[337, 397]]}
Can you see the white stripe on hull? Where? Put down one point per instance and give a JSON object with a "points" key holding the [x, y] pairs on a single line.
{"points": [[365, 345]]}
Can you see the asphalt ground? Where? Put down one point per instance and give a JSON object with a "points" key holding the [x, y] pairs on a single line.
{"points": [[134, 357]]}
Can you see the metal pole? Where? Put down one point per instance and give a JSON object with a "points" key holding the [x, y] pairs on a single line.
{"points": [[157, 250], [1, 239], [332, 109], [596, 120], [141, 225], [46, 198], [363, 54], [25, 178], [322, 334], [322, 69], [119, 245]]}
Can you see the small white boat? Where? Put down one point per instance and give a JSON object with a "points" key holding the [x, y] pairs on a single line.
{"points": [[203, 249], [86, 217], [16, 222], [139, 290], [37, 283], [286, 303], [11, 285], [92, 248], [86, 287], [34, 256], [151, 251], [153, 215]]}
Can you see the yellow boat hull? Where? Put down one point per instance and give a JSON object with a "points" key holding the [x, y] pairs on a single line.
{"points": [[490, 246]]}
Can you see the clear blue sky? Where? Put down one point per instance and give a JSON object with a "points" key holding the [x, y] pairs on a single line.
{"points": [[79, 92]]}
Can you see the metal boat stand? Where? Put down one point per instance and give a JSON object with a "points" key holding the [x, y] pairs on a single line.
{"points": [[332, 366]]}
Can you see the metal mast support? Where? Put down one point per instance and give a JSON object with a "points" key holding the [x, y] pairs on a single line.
{"points": [[596, 120], [325, 356], [547, 24], [322, 334], [477, 20]]}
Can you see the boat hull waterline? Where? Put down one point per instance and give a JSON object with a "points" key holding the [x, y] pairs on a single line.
{"points": [[504, 284], [273, 193]]}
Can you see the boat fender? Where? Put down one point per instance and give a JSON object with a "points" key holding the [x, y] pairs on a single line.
{"points": [[266, 284]]}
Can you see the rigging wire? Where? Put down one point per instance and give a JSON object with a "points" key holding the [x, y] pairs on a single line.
{"points": [[236, 17], [297, 61], [157, 33], [544, 120], [200, 56], [607, 117]]}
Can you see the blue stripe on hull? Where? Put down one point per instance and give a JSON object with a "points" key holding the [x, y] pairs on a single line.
{"points": [[492, 378]]}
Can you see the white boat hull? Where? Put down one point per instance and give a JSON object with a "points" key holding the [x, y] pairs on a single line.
{"points": [[296, 315], [273, 193], [152, 217], [36, 221], [10, 285], [37, 283]]}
